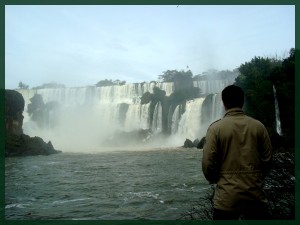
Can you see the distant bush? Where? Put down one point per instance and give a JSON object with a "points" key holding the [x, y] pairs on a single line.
{"points": [[50, 85], [106, 82]]}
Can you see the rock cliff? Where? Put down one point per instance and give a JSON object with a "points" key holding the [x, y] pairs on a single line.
{"points": [[16, 142]]}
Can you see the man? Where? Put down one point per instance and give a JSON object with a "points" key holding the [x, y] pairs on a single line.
{"points": [[236, 156]]}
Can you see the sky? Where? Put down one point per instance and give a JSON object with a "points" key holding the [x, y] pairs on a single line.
{"points": [[81, 45]]}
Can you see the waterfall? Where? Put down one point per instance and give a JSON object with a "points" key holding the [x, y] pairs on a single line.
{"points": [[211, 86], [175, 119], [189, 124], [157, 118], [212, 109], [145, 116], [87, 116], [277, 113]]}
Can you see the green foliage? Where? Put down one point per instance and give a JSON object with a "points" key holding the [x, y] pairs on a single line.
{"points": [[119, 82], [257, 78], [183, 80], [258, 88], [158, 94], [50, 85], [283, 79], [172, 75], [106, 82], [217, 75], [23, 86], [183, 95]]}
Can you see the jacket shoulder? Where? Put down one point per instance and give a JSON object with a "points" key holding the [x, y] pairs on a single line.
{"points": [[213, 123]]}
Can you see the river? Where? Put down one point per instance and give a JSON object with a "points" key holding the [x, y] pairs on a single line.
{"points": [[157, 184]]}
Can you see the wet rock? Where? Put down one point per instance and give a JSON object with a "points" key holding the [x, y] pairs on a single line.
{"points": [[23, 145], [188, 144], [196, 142], [16, 142], [201, 143]]}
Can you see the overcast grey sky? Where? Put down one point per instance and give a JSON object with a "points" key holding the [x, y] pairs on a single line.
{"points": [[81, 45]]}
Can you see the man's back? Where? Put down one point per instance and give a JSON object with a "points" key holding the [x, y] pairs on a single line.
{"points": [[236, 149], [236, 154], [242, 139]]}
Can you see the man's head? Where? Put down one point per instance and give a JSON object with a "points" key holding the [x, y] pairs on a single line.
{"points": [[233, 96]]}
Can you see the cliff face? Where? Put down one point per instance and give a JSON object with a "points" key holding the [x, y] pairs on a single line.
{"points": [[14, 106], [17, 143]]}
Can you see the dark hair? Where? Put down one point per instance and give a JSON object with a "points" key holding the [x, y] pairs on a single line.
{"points": [[233, 96]]}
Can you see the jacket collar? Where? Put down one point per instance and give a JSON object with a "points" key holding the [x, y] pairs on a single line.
{"points": [[234, 112]]}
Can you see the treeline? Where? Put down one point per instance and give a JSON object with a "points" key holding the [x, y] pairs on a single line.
{"points": [[258, 78], [166, 76], [43, 86], [173, 75]]}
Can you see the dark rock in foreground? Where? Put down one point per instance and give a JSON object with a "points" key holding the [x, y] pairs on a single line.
{"points": [[23, 145], [201, 143], [188, 144], [16, 142]]}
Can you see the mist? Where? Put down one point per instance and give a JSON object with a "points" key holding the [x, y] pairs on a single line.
{"points": [[112, 117]]}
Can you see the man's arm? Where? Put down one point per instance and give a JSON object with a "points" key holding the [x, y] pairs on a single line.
{"points": [[210, 158]]}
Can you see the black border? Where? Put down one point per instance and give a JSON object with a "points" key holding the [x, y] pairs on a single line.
{"points": [[136, 2]]}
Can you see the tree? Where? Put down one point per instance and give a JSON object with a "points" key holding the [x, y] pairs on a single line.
{"points": [[172, 75], [23, 86], [257, 81], [50, 85], [283, 79], [106, 82]]}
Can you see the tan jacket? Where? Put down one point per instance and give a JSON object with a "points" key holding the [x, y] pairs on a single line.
{"points": [[236, 154]]}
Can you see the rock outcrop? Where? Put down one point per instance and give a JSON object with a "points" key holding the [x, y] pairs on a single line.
{"points": [[16, 142], [188, 144], [14, 106], [201, 143], [193, 144], [23, 145]]}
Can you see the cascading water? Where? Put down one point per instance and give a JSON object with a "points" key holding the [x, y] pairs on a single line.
{"points": [[198, 116], [277, 113], [211, 86], [88, 115], [189, 124], [175, 119], [157, 118]]}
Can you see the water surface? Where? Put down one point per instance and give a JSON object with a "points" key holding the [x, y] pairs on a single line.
{"points": [[150, 184]]}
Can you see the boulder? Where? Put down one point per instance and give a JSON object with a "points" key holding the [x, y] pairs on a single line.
{"points": [[23, 145], [188, 144], [196, 142], [201, 143], [16, 142], [14, 106]]}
